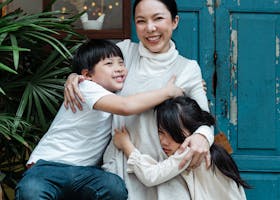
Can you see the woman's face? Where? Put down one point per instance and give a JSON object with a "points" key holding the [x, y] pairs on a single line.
{"points": [[154, 25]]}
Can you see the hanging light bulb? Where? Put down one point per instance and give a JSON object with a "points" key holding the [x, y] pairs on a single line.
{"points": [[110, 7], [63, 9], [116, 3]]}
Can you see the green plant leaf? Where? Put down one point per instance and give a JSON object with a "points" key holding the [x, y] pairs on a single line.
{"points": [[6, 68], [12, 48], [15, 52], [47, 39], [2, 91], [2, 37]]}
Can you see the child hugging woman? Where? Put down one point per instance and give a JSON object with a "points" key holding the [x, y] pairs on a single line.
{"points": [[177, 119]]}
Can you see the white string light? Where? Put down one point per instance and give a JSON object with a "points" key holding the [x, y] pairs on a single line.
{"points": [[98, 10]]}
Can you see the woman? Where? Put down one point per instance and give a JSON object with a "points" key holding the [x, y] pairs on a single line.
{"points": [[151, 63]]}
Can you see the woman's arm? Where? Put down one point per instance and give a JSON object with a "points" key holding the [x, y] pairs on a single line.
{"points": [[149, 171], [134, 104], [203, 137], [72, 94]]}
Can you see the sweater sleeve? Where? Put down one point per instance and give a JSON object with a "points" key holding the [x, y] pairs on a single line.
{"points": [[151, 172]]}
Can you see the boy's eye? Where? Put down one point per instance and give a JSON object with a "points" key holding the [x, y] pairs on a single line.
{"points": [[108, 63]]}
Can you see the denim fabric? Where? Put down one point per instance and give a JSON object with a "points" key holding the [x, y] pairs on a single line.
{"points": [[50, 180]]}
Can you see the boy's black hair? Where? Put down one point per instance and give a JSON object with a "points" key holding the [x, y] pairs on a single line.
{"points": [[91, 52], [175, 115]]}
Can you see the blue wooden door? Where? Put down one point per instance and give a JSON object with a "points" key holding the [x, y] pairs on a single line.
{"points": [[237, 44], [248, 91]]}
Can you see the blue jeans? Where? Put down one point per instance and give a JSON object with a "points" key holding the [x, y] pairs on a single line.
{"points": [[50, 180]]}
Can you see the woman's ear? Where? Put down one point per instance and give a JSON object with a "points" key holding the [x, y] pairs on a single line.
{"points": [[175, 22]]}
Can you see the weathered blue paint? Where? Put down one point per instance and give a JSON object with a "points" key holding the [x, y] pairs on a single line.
{"points": [[248, 72], [245, 34]]}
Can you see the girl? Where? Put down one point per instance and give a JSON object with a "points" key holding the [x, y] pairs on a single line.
{"points": [[177, 119]]}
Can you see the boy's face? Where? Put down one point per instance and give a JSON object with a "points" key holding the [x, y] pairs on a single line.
{"points": [[168, 145], [110, 73]]}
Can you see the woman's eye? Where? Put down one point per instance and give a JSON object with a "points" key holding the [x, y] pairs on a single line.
{"points": [[159, 18], [140, 21]]}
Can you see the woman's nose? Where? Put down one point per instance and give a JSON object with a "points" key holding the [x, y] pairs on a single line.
{"points": [[151, 27]]}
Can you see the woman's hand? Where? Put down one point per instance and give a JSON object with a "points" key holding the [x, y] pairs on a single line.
{"points": [[199, 150], [122, 141], [72, 95]]}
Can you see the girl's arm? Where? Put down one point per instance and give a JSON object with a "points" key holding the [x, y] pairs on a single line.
{"points": [[134, 104], [149, 171]]}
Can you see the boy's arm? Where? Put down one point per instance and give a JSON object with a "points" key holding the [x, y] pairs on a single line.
{"points": [[134, 104]]}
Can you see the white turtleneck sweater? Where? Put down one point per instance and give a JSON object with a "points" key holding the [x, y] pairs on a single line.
{"points": [[149, 71]]}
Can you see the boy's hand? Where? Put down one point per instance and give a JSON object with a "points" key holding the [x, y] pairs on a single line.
{"points": [[172, 89], [72, 95], [122, 141]]}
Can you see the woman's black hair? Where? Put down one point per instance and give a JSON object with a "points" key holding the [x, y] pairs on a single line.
{"points": [[171, 5], [91, 52], [176, 115]]}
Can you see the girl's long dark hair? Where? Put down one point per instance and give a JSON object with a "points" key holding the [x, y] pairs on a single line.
{"points": [[175, 115]]}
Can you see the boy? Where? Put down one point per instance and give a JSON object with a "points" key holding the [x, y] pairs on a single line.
{"points": [[65, 162]]}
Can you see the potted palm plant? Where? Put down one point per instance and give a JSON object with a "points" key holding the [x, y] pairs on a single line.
{"points": [[35, 52]]}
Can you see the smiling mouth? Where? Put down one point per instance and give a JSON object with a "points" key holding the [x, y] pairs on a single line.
{"points": [[153, 38], [119, 78]]}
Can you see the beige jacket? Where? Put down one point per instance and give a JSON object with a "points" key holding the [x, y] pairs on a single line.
{"points": [[203, 183]]}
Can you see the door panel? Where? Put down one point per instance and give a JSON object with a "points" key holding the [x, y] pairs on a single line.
{"points": [[247, 98]]}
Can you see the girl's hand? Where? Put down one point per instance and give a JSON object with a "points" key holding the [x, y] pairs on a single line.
{"points": [[72, 95], [199, 150], [173, 90], [122, 141]]}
